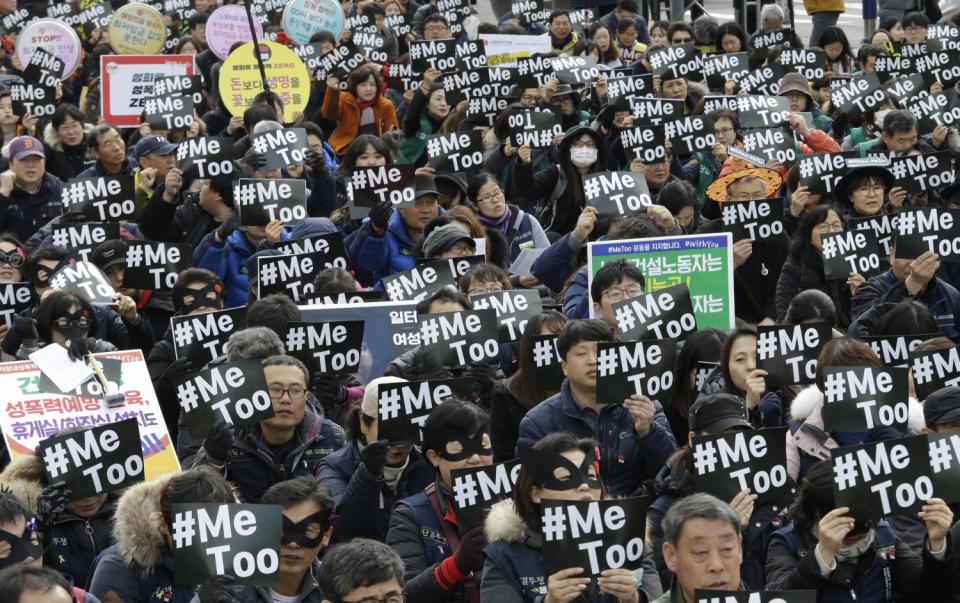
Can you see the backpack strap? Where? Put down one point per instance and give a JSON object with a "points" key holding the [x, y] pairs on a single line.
{"points": [[453, 539]]}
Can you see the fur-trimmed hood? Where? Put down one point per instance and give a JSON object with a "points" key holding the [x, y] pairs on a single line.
{"points": [[52, 139], [504, 524], [137, 522], [24, 478], [811, 398]]}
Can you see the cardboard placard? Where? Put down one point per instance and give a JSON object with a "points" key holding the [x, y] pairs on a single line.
{"points": [[203, 337], [655, 110], [44, 69], [476, 489], [627, 368], [940, 66], [260, 201], [327, 249], [594, 535], [339, 62], [169, 112], [403, 407], [928, 229], [546, 359], [31, 99], [423, 280], [239, 540], [924, 172], [616, 194], [127, 83], [775, 144], [755, 220], [190, 86], [763, 111], [234, 393], [100, 198], [856, 95], [713, 103], [155, 265], [536, 129], [86, 278], [895, 350], [456, 339], [575, 70], [883, 226], [934, 369], [290, 274], [646, 143], [690, 133], [282, 147], [94, 461], [14, 299], [368, 186], [945, 465], [811, 64], [851, 251], [720, 67], [675, 62], [877, 479], [514, 308], [629, 86], [532, 71], [763, 80], [433, 54], [81, 238], [789, 352], [663, 314], [726, 464], [932, 110], [355, 297], [206, 156], [456, 152], [861, 398], [327, 348], [783, 596], [819, 172]]}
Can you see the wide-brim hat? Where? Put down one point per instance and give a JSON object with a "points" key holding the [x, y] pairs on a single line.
{"points": [[718, 188], [841, 190]]}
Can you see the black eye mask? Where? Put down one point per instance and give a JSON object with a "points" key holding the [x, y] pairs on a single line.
{"points": [[202, 298], [436, 440], [297, 532], [20, 547], [542, 466], [73, 330]]}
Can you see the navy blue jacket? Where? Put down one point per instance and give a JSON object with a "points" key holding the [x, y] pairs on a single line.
{"points": [[626, 460], [24, 213], [940, 297], [75, 542]]}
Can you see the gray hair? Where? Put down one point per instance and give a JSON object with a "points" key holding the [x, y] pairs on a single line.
{"points": [[266, 125], [772, 13], [696, 506], [745, 180], [254, 343], [282, 359], [355, 564]]}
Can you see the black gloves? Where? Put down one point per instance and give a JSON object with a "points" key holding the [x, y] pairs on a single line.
{"points": [[329, 390], [26, 328], [374, 457], [219, 442], [177, 369], [255, 160], [380, 214], [470, 553], [228, 226], [217, 589], [316, 161], [481, 377], [50, 504], [81, 347]]}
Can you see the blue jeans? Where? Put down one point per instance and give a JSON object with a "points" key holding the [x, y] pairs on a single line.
{"points": [[821, 21]]}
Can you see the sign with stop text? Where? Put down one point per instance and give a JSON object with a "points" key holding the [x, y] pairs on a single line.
{"points": [[155, 265], [851, 251], [877, 479], [403, 407], [14, 299], [724, 465], [94, 461], [100, 198], [535, 129], [456, 152], [627, 368], [928, 229], [753, 220], [663, 314], [206, 157], [86, 278], [327, 348], [864, 397], [617, 194], [421, 281], [203, 337], [595, 535], [476, 489], [702, 262], [456, 339], [127, 82], [646, 143], [239, 540], [368, 186], [260, 201], [234, 393], [934, 369], [789, 352], [514, 308]]}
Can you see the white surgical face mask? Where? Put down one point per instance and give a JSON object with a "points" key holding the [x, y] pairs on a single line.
{"points": [[583, 157]]}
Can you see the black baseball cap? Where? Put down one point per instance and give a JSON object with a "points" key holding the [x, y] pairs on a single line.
{"points": [[109, 253], [716, 413], [942, 406]]}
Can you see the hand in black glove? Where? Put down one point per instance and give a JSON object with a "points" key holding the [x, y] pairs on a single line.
{"points": [[380, 214], [316, 161], [25, 328], [374, 456], [177, 369], [218, 442], [470, 554], [330, 390], [227, 227], [50, 504], [481, 377], [81, 347], [217, 589], [255, 160]]}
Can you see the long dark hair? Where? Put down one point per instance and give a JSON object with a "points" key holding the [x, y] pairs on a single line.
{"points": [[56, 304], [725, 358], [702, 346], [800, 242], [733, 29], [359, 145], [526, 389], [556, 443]]}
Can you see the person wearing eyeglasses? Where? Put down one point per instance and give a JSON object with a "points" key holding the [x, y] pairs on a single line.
{"points": [[804, 266], [65, 143], [362, 571], [915, 25], [291, 443], [613, 283], [521, 230]]}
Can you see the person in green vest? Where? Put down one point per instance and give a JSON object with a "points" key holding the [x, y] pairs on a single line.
{"points": [[424, 118]]}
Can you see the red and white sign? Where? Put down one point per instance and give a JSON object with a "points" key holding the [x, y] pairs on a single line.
{"points": [[127, 82]]}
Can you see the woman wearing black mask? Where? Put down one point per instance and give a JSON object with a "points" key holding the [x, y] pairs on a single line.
{"points": [[65, 318]]}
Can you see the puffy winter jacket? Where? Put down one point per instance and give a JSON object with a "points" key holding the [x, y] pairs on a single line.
{"points": [[939, 296], [385, 254], [228, 261], [74, 542], [23, 213]]}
